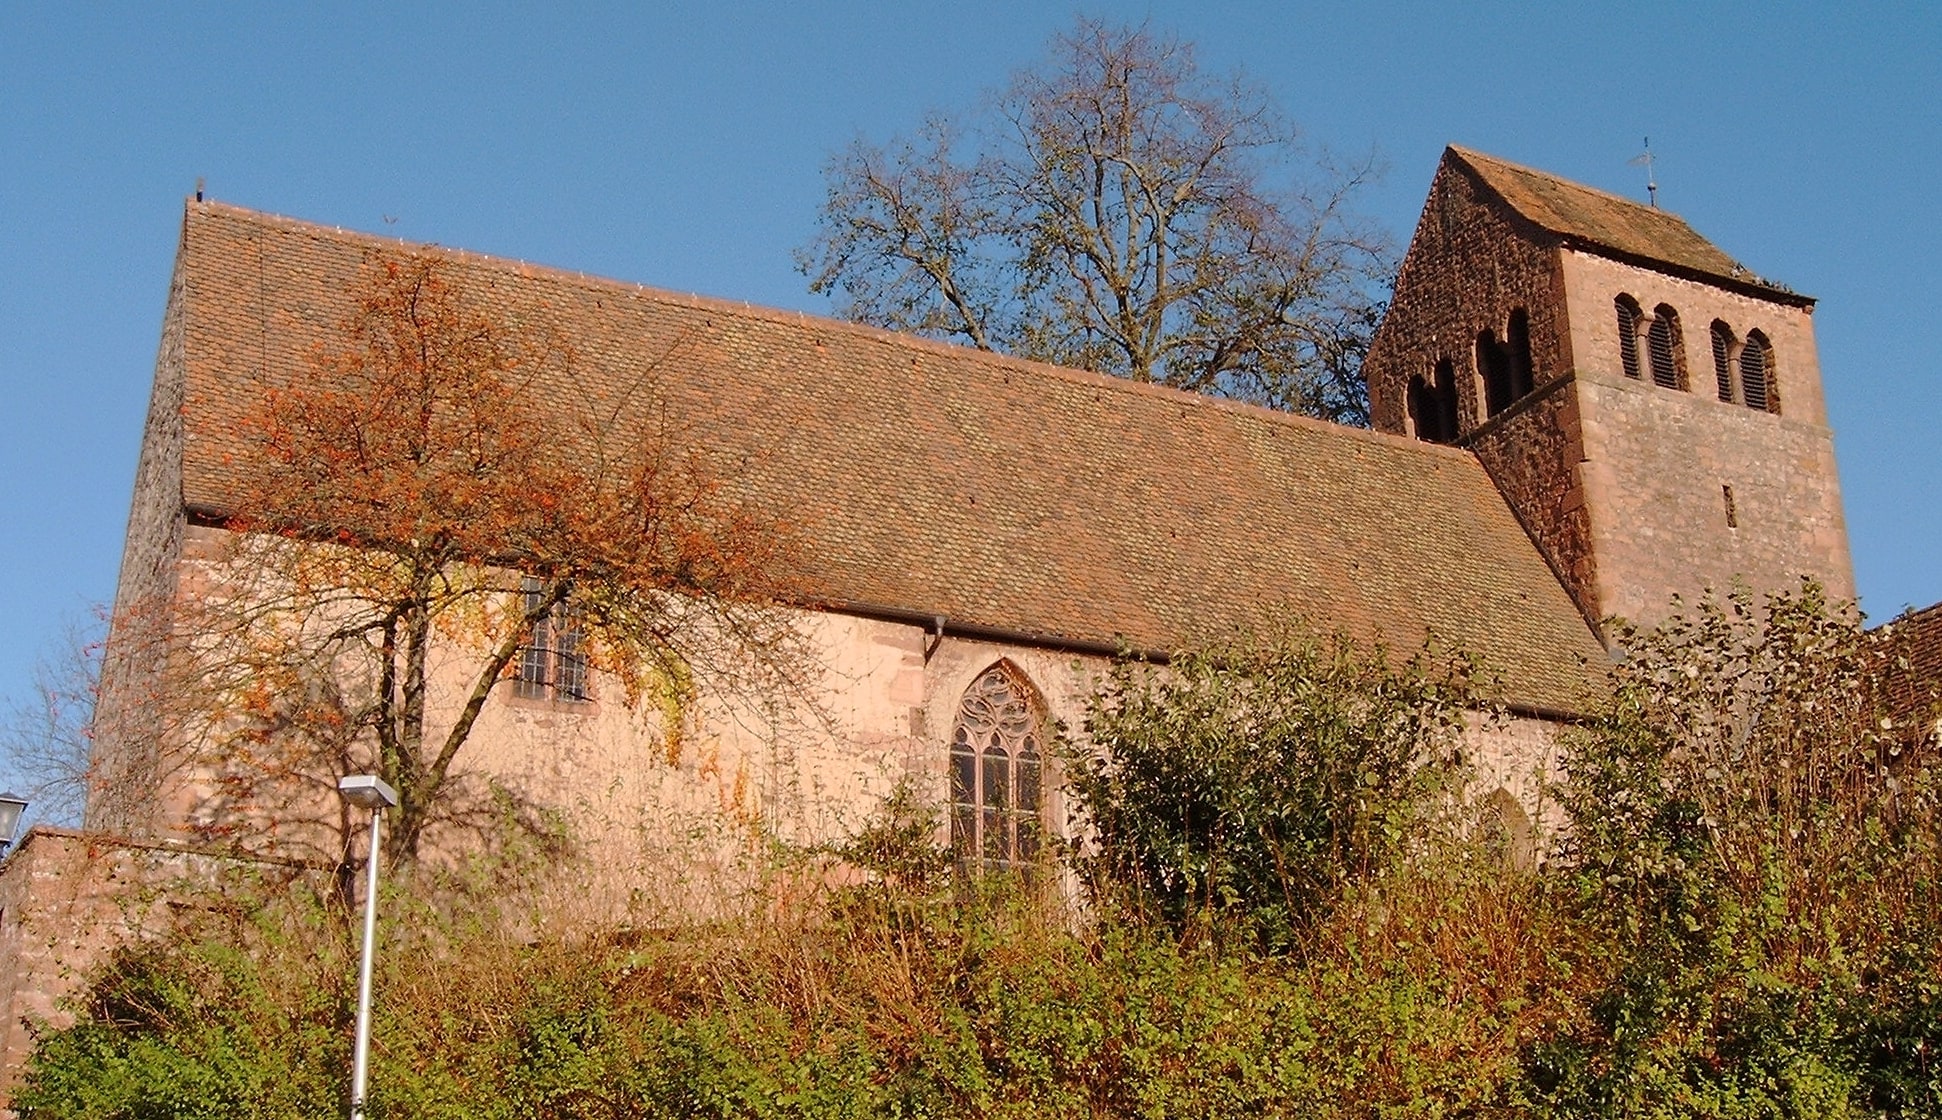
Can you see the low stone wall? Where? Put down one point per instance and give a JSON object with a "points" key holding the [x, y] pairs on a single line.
{"points": [[68, 899]]}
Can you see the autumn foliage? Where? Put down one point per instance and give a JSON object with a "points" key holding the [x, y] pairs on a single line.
{"points": [[434, 485]]}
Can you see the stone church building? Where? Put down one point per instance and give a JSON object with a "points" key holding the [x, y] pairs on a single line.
{"points": [[1582, 408]]}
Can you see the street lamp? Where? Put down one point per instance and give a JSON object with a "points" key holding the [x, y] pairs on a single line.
{"points": [[11, 806], [367, 791]]}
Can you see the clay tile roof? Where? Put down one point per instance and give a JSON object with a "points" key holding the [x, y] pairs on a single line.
{"points": [[931, 478], [1618, 225], [1915, 681]]}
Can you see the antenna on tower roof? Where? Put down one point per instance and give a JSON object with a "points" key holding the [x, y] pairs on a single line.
{"points": [[1651, 181]]}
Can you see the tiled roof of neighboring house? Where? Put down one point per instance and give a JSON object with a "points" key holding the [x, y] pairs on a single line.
{"points": [[927, 477], [1915, 682], [1606, 221]]}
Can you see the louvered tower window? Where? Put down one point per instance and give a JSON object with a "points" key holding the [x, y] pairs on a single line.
{"points": [[1628, 334], [997, 775], [1756, 373], [1662, 345], [1723, 359]]}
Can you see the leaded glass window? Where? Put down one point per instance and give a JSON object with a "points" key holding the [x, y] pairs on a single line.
{"points": [[552, 663], [997, 774]]}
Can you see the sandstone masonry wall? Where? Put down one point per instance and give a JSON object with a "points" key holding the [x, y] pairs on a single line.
{"points": [[1469, 265], [1660, 461], [126, 725], [69, 899]]}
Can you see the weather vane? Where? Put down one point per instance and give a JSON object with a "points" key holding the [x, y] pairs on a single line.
{"points": [[1651, 183]]}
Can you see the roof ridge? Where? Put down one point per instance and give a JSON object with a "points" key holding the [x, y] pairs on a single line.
{"points": [[862, 331], [1474, 154]]}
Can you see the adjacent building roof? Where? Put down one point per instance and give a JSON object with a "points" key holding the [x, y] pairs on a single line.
{"points": [[930, 478], [1915, 680], [1618, 225]]}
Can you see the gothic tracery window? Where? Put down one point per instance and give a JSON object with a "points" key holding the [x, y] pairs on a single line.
{"points": [[997, 774]]}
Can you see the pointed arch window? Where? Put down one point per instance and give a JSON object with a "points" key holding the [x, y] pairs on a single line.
{"points": [[1723, 342], [1756, 373], [1629, 317], [997, 774], [1665, 348]]}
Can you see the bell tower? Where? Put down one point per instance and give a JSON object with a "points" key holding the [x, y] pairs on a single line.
{"points": [[1649, 408]]}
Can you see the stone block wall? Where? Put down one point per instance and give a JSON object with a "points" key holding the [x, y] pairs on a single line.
{"points": [[1688, 492], [1469, 266], [126, 724], [69, 899], [1533, 451]]}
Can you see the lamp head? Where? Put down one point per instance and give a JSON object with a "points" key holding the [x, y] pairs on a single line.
{"points": [[367, 791], [11, 806]]}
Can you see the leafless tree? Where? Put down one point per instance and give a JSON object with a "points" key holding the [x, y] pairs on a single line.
{"points": [[47, 738], [1117, 209]]}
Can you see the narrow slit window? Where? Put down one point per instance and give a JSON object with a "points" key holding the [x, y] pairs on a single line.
{"points": [[1494, 367], [1517, 340], [1433, 404], [1732, 511]]}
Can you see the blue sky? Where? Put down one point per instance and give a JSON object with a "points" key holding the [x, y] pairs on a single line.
{"points": [[680, 145]]}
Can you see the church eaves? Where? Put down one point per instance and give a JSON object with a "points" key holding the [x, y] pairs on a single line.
{"points": [[946, 482]]}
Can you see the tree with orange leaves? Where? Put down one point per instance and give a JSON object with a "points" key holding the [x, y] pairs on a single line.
{"points": [[427, 497]]}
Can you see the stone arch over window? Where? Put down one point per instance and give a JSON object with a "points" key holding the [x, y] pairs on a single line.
{"points": [[1756, 373], [1629, 317], [998, 772], [1505, 367], [1666, 348], [1433, 404], [1723, 344], [1504, 830]]}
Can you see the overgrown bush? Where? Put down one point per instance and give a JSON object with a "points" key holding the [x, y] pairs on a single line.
{"points": [[1753, 842], [1254, 781], [1742, 921]]}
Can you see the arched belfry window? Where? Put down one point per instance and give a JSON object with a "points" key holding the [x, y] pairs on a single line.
{"points": [[1629, 317], [1433, 404], [997, 773], [1493, 367], [1665, 347], [1756, 373], [1517, 340], [1723, 343]]}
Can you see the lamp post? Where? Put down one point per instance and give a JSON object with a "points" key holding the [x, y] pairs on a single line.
{"points": [[371, 792], [11, 806]]}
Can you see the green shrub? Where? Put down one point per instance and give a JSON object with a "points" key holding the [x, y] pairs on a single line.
{"points": [[1252, 782]]}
